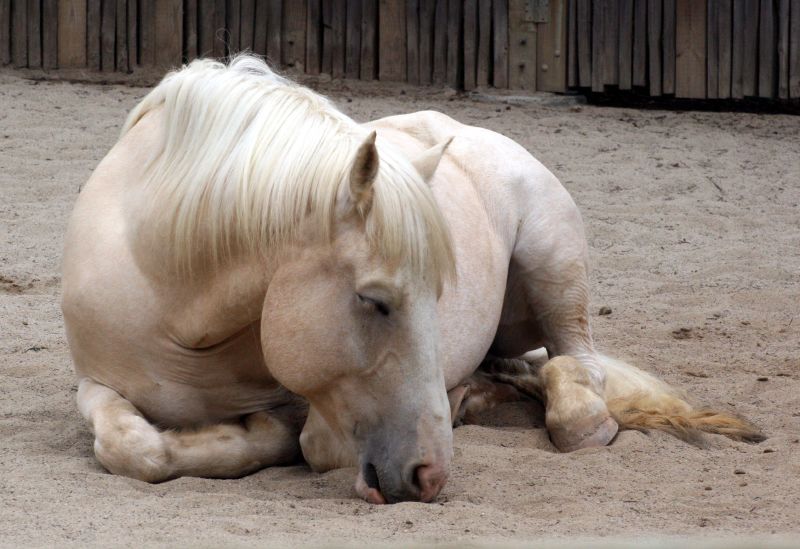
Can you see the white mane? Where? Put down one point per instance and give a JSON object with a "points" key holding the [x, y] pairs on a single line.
{"points": [[247, 156]]}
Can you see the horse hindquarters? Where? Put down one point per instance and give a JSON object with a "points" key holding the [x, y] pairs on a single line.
{"points": [[127, 444]]}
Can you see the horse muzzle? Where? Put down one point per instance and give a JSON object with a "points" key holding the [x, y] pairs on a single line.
{"points": [[404, 466], [421, 482]]}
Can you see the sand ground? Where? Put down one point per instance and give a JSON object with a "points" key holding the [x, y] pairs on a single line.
{"points": [[694, 227]]}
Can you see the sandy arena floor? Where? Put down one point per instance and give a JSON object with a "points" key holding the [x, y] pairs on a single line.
{"points": [[694, 226]]}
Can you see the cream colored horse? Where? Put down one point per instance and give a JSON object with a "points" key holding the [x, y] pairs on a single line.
{"points": [[248, 263]]}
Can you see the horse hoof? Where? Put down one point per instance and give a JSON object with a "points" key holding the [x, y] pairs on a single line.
{"points": [[587, 433]]}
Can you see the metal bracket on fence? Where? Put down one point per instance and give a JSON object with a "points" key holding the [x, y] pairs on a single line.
{"points": [[537, 11]]}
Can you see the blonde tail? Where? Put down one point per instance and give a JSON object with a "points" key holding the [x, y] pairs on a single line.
{"points": [[638, 400]]}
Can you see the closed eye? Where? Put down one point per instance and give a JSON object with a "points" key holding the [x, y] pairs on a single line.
{"points": [[379, 305]]}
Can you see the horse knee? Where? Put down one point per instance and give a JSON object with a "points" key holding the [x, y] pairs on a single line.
{"points": [[322, 449]]}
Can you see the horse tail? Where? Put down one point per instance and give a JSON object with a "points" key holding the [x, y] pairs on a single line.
{"points": [[638, 400]]}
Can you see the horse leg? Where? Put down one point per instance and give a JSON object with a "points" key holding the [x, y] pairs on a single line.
{"points": [[563, 384], [127, 444], [547, 302], [476, 394], [323, 449]]}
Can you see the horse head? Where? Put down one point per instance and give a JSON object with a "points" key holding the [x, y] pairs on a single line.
{"points": [[352, 328]]}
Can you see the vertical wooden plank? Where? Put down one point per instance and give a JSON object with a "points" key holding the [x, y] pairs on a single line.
{"points": [[794, 49], [260, 27], [551, 59], [611, 43], [640, 43], [598, 34], [737, 49], [189, 29], [427, 13], [206, 14], [470, 44], [169, 33], [247, 19], [783, 49], [369, 39], [654, 43], [412, 41], [391, 41], [572, 44], [353, 49], [750, 48], [725, 26], [668, 47], [148, 30], [49, 34], [625, 44], [712, 47], [326, 62], [338, 26], [274, 31], [220, 40], [35, 33], [293, 39], [5, 32], [440, 42], [484, 67], [233, 14], [454, 49], [19, 33], [767, 58], [690, 49], [584, 8], [522, 46], [93, 24], [108, 34], [500, 22], [313, 36], [121, 36], [133, 34]]}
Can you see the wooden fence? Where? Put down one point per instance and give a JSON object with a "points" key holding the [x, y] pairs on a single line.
{"points": [[460, 43], [687, 48], [682, 48]]}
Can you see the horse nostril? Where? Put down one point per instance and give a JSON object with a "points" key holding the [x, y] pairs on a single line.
{"points": [[429, 480], [371, 477], [415, 477]]}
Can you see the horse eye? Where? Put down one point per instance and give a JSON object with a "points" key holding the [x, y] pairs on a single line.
{"points": [[380, 306]]}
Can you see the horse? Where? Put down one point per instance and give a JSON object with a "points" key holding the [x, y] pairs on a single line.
{"points": [[250, 278]]}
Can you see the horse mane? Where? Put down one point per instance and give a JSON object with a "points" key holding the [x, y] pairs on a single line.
{"points": [[247, 157]]}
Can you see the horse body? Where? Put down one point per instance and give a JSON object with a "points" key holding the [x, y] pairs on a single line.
{"points": [[316, 326]]}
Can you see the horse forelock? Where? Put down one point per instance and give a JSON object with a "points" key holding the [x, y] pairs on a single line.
{"points": [[247, 157]]}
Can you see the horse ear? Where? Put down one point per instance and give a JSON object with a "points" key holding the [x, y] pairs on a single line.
{"points": [[427, 162], [362, 174]]}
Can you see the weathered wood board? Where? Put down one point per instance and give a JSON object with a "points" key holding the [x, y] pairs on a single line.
{"points": [[72, 23], [500, 44], [168, 33], [5, 32], [551, 58], [49, 34], [668, 52], [690, 49], [391, 41], [369, 40], [470, 40], [655, 55], [625, 48]]}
